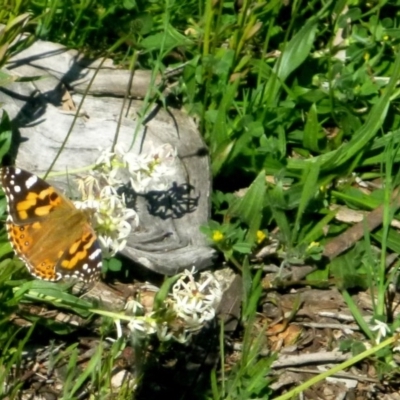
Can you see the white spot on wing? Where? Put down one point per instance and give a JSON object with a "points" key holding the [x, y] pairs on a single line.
{"points": [[31, 181], [17, 189], [95, 254]]}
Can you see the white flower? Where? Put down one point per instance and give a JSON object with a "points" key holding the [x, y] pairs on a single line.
{"points": [[105, 158], [190, 305], [152, 171], [147, 171], [196, 302], [382, 328], [133, 307], [111, 219], [164, 332], [118, 326], [89, 187], [112, 166], [142, 325], [182, 336]]}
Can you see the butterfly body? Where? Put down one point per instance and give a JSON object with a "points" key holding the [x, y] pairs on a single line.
{"points": [[46, 230]]}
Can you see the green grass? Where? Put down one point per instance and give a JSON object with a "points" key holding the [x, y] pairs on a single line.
{"points": [[289, 110]]}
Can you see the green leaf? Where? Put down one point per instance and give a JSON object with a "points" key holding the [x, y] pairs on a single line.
{"points": [[356, 198], [393, 239], [319, 275], [310, 188], [365, 134], [277, 203], [113, 264], [252, 290], [221, 142], [5, 135], [297, 50], [249, 208], [311, 130], [163, 292], [5, 248], [129, 4], [317, 229], [294, 54], [6, 78], [165, 41], [347, 267], [243, 248], [54, 294], [90, 368]]}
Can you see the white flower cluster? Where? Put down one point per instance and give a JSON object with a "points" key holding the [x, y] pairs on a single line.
{"points": [[186, 310], [196, 302], [110, 216], [145, 172]]}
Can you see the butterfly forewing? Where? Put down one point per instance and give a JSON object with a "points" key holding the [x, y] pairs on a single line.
{"points": [[30, 198]]}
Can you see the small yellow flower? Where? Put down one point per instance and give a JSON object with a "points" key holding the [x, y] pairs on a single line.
{"points": [[313, 244], [260, 236], [217, 236], [367, 56], [386, 37]]}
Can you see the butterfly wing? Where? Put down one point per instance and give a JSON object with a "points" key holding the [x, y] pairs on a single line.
{"points": [[82, 259], [45, 229], [30, 198]]}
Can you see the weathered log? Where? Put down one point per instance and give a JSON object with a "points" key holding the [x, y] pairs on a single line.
{"points": [[168, 239]]}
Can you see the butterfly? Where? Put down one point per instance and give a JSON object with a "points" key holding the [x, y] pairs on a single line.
{"points": [[47, 232]]}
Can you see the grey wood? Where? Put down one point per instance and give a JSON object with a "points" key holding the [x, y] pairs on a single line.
{"points": [[168, 239]]}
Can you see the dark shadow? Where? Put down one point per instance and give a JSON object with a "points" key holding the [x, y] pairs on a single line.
{"points": [[172, 203], [183, 371], [34, 106]]}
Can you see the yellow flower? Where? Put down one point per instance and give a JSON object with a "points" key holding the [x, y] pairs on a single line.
{"points": [[217, 236], [313, 244], [260, 236], [367, 56]]}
